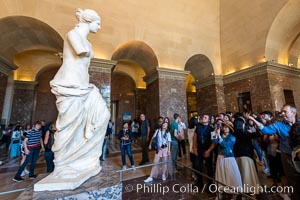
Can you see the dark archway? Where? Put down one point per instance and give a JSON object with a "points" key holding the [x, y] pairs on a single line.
{"points": [[138, 60], [45, 107], [21, 33], [138, 52], [201, 70], [122, 97]]}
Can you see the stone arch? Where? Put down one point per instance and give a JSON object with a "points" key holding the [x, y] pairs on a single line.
{"points": [[282, 35], [294, 53], [45, 106], [33, 62], [200, 67], [138, 52], [133, 70], [23, 33], [46, 68], [209, 95]]}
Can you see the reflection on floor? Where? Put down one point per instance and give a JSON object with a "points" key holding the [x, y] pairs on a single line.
{"points": [[133, 185]]}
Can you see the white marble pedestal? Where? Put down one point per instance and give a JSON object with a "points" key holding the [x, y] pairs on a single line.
{"points": [[104, 185], [51, 183]]}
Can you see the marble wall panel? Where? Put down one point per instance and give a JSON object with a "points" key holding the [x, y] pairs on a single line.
{"points": [[140, 101], [259, 89], [102, 80], [45, 108], [280, 82], [22, 107], [3, 84], [172, 98], [207, 100], [152, 102]]}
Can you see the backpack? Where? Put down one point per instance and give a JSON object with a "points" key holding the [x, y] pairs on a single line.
{"points": [[154, 144], [50, 140]]}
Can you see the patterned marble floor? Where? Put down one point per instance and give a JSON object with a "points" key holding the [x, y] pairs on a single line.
{"points": [[10, 166]]}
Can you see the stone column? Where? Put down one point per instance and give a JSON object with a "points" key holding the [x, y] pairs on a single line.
{"points": [[3, 85], [140, 100], [210, 95], [166, 92], [6, 90], [23, 102], [100, 75]]}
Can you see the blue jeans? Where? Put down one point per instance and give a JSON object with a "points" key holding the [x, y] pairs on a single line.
{"points": [[32, 157], [257, 149], [174, 151], [104, 146], [124, 149], [49, 157]]}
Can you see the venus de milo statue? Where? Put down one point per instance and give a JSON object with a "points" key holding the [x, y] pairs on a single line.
{"points": [[82, 113]]}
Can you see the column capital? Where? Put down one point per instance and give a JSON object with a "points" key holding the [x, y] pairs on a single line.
{"points": [[25, 85], [102, 65], [5, 67], [165, 73], [216, 79], [268, 67]]}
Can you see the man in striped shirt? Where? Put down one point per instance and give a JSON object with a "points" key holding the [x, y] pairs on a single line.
{"points": [[32, 144]]}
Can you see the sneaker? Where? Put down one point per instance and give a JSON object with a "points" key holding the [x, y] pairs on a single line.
{"points": [[18, 179], [26, 171], [149, 179], [32, 177], [164, 177], [23, 173], [266, 170], [102, 160], [133, 167], [124, 167]]}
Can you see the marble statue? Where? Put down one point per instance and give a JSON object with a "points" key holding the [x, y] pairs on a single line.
{"points": [[82, 113]]}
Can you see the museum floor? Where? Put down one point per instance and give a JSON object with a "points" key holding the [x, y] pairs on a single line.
{"points": [[130, 178]]}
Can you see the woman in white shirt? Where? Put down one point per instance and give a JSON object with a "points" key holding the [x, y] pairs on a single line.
{"points": [[164, 149]]}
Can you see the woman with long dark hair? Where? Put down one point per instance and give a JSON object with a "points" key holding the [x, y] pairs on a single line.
{"points": [[164, 150], [243, 152]]}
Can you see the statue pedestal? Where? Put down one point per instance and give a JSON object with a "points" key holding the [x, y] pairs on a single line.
{"points": [[51, 183], [104, 185]]}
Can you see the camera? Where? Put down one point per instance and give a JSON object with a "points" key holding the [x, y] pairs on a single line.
{"points": [[163, 146]]}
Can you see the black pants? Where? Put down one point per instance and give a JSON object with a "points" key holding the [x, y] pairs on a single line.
{"points": [[292, 176], [181, 145], [199, 166], [144, 145], [276, 169]]}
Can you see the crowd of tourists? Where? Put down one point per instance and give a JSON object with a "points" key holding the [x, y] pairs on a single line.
{"points": [[226, 146]]}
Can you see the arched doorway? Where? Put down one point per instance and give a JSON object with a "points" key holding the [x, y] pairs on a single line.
{"points": [[209, 94], [135, 59], [45, 107], [122, 98], [30, 45]]}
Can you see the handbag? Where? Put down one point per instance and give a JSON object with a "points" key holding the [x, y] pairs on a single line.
{"points": [[154, 144]]}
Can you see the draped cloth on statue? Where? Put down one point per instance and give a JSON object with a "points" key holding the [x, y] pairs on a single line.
{"points": [[81, 126]]}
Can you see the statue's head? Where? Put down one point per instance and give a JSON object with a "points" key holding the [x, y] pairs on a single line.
{"points": [[90, 17]]}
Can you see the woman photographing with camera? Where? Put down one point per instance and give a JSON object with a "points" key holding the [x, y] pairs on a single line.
{"points": [[125, 137], [164, 150]]}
